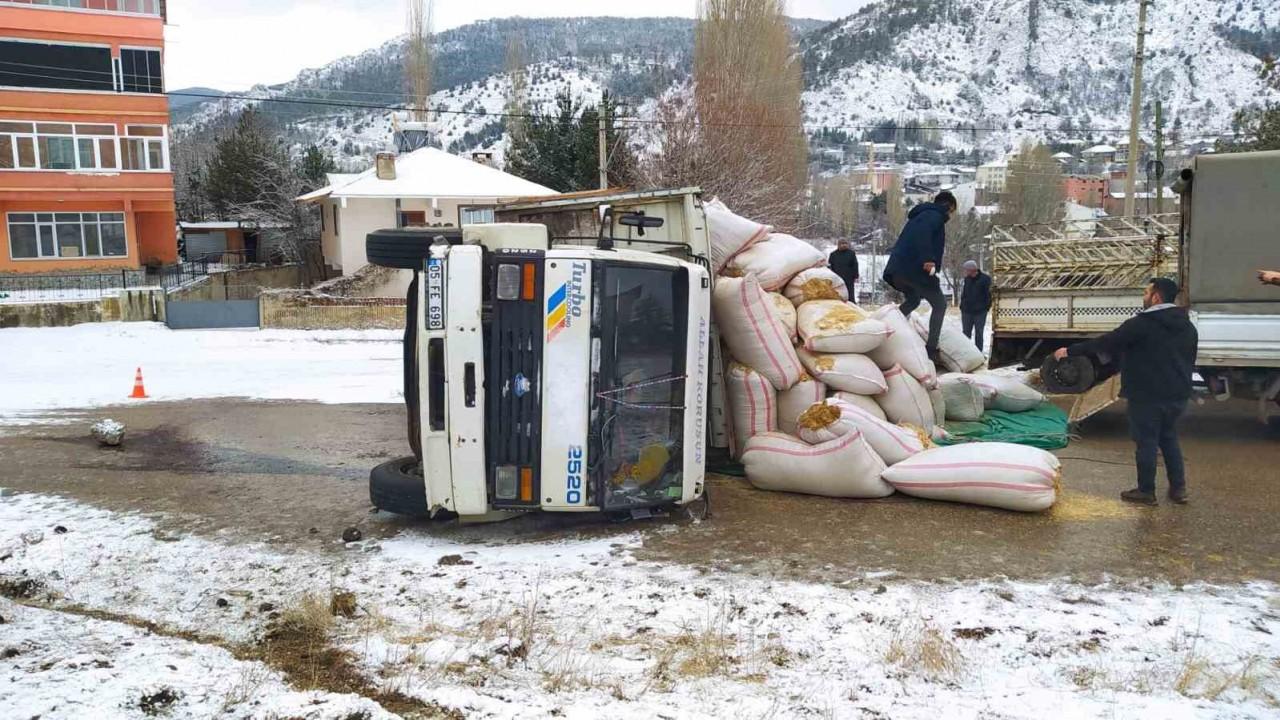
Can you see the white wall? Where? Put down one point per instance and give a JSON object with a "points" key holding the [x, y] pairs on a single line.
{"points": [[360, 217], [329, 237]]}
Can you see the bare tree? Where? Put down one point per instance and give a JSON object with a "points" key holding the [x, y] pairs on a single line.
{"points": [[738, 133], [968, 238], [518, 94], [417, 56], [1034, 190], [895, 211]]}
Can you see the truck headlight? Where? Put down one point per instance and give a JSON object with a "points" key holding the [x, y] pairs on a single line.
{"points": [[508, 282], [505, 480]]}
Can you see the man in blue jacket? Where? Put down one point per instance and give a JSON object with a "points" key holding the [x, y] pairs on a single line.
{"points": [[916, 259]]}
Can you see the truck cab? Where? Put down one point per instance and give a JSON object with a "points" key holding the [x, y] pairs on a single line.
{"points": [[559, 359]]}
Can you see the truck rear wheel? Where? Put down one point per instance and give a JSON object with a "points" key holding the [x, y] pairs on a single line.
{"points": [[396, 486], [405, 248]]}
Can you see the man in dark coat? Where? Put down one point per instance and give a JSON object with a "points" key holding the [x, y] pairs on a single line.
{"points": [[1157, 353], [844, 262], [916, 258], [975, 302]]}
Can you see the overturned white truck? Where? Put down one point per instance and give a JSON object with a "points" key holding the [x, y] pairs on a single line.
{"points": [[1060, 283], [560, 359]]}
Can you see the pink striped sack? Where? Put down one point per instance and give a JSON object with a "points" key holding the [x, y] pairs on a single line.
{"points": [[838, 418], [843, 467], [793, 402], [753, 405], [862, 402], [903, 347], [750, 327], [851, 373], [1003, 475], [906, 401], [730, 233], [836, 326], [818, 283], [786, 313], [776, 259]]}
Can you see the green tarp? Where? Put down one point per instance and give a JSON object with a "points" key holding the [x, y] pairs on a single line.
{"points": [[1044, 427]]}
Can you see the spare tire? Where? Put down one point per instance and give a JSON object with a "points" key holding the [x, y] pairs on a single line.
{"points": [[397, 486], [1070, 375], [405, 248]]}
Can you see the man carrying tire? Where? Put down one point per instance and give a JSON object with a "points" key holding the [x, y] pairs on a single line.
{"points": [[1157, 353], [916, 258]]}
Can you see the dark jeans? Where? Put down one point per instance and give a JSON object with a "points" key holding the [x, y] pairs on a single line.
{"points": [[1154, 427], [930, 291], [975, 326]]}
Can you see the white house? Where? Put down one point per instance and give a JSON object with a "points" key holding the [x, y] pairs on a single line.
{"points": [[423, 188], [993, 176]]}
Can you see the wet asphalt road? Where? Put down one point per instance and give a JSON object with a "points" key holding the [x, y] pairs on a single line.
{"points": [[294, 474]]}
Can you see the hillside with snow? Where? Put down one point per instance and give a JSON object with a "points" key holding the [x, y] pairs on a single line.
{"points": [[1057, 69]]}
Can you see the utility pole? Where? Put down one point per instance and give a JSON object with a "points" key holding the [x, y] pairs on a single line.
{"points": [[604, 145], [1135, 109], [1159, 157]]}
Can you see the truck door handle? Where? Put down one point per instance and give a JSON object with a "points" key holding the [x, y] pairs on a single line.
{"points": [[469, 384]]}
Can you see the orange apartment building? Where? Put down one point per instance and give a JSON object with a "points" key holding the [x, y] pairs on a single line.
{"points": [[85, 180]]}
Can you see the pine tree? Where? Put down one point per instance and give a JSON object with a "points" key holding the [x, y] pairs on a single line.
{"points": [[561, 149], [247, 163], [314, 166]]}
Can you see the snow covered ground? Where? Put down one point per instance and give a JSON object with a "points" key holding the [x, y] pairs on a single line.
{"points": [[93, 365], [578, 628]]}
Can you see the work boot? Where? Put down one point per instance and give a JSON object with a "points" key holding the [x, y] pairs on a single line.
{"points": [[1179, 496], [1139, 497]]}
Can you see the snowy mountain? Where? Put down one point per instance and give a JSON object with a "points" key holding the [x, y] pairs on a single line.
{"points": [[1059, 69]]}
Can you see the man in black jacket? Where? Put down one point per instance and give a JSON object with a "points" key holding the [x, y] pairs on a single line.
{"points": [[1157, 353], [914, 262], [843, 261], [975, 302]]}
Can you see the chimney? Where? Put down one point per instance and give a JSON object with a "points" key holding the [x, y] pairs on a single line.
{"points": [[386, 166], [482, 157]]}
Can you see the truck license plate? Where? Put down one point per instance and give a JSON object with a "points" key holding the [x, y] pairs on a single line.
{"points": [[435, 294]]}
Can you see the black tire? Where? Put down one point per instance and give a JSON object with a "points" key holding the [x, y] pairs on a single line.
{"points": [[1071, 375], [405, 248], [396, 487]]}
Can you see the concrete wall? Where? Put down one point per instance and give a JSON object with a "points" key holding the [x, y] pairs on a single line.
{"points": [[130, 306], [309, 312], [239, 284]]}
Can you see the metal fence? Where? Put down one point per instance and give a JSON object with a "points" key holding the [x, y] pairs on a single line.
{"points": [[71, 287]]}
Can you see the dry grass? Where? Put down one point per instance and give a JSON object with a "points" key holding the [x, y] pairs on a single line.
{"points": [[1203, 679], [309, 615], [920, 647]]}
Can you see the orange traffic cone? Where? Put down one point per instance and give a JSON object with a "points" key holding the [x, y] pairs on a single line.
{"points": [[139, 392]]}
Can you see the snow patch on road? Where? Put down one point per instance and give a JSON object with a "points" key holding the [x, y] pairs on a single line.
{"points": [[92, 365], [577, 627]]}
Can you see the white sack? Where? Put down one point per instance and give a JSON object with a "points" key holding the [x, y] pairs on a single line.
{"points": [[939, 403], [836, 326], [750, 327], [1003, 475], [957, 352], [1011, 394], [863, 402], [903, 347], [818, 283], [893, 443], [776, 259], [795, 400], [786, 313], [730, 233], [964, 400], [843, 467], [906, 400], [753, 405], [851, 373]]}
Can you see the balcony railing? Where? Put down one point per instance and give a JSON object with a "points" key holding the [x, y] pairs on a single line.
{"points": [[133, 7]]}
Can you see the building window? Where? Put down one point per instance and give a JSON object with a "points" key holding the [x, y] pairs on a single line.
{"points": [[335, 220], [141, 7], [35, 236], [81, 146], [140, 71], [477, 216], [413, 218], [322, 222], [55, 67]]}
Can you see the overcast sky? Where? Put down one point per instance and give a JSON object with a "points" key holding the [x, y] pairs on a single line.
{"points": [[235, 44]]}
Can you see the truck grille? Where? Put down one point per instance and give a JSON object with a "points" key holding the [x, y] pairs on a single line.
{"points": [[513, 422]]}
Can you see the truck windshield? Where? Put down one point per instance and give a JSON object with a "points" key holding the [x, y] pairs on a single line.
{"points": [[638, 369]]}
